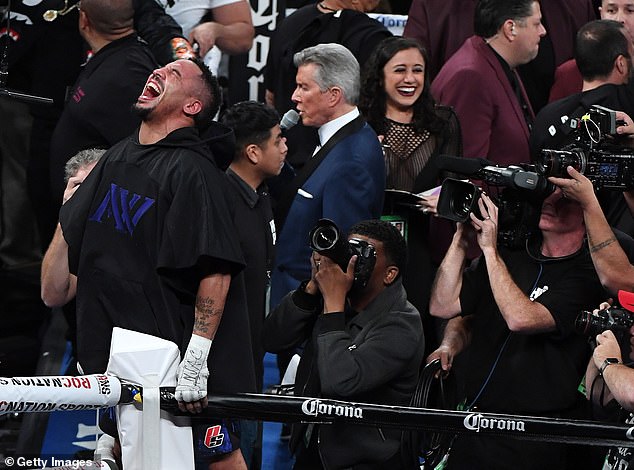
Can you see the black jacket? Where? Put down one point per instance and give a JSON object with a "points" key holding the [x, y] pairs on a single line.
{"points": [[372, 356]]}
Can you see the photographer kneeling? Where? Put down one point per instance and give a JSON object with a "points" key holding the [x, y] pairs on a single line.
{"points": [[363, 343], [609, 378]]}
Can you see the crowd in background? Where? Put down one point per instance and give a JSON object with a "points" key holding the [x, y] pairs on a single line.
{"points": [[198, 214]]}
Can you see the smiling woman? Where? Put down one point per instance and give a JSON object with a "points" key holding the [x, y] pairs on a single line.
{"points": [[397, 102]]}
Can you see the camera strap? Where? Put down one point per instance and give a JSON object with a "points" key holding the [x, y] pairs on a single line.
{"points": [[286, 200], [571, 125]]}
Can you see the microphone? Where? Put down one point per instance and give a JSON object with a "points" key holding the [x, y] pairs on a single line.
{"points": [[290, 118], [463, 166]]}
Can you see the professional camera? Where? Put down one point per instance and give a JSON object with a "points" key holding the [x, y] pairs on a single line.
{"points": [[325, 239], [594, 152], [519, 202], [615, 319]]}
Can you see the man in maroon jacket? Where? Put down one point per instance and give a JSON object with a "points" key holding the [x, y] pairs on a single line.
{"points": [[482, 84], [443, 25]]}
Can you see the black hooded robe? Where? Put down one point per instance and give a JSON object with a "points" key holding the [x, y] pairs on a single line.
{"points": [[144, 228]]}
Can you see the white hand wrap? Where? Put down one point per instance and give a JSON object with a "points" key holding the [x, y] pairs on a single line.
{"points": [[192, 371]]}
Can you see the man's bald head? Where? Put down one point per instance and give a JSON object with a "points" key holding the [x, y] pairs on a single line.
{"points": [[109, 17]]}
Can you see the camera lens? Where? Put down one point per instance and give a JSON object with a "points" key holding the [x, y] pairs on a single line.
{"points": [[324, 238], [460, 204], [555, 162], [584, 323], [616, 320]]}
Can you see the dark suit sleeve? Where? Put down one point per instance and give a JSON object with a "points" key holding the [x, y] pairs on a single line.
{"points": [[157, 28]]}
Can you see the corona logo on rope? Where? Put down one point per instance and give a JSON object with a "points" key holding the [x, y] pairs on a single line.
{"points": [[475, 422], [315, 407]]}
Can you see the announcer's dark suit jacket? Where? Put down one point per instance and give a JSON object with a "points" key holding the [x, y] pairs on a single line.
{"points": [[347, 187], [492, 121]]}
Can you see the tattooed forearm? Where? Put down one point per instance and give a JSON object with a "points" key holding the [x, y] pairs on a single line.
{"points": [[205, 313], [600, 246]]}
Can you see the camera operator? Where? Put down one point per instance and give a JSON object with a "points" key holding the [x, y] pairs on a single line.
{"points": [[363, 344], [609, 378], [611, 259], [523, 355], [603, 52]]}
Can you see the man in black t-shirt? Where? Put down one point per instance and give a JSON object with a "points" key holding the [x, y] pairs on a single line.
{"points": [[603, 51], [521, 354], [98, 112], [259, 154]]}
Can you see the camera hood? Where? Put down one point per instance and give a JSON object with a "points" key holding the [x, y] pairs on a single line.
{"points": [[458, 199]]}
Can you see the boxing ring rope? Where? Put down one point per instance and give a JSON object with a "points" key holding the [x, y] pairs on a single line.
{"points": [[67, 393]]}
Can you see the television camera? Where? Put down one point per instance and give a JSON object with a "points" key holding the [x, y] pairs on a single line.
{"points": [[594, 151], [519, 202]]}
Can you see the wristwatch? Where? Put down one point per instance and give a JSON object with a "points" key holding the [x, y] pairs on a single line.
{"points": [[608, 361]]}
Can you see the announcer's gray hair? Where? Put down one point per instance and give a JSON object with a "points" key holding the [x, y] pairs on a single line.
{"points": [[335, 66]]}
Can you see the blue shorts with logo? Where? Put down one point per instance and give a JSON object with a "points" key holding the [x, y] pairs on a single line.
{"points": [[213, 440]]}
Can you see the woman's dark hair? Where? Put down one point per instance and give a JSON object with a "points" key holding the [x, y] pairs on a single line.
{"points": [[372, 101]]}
